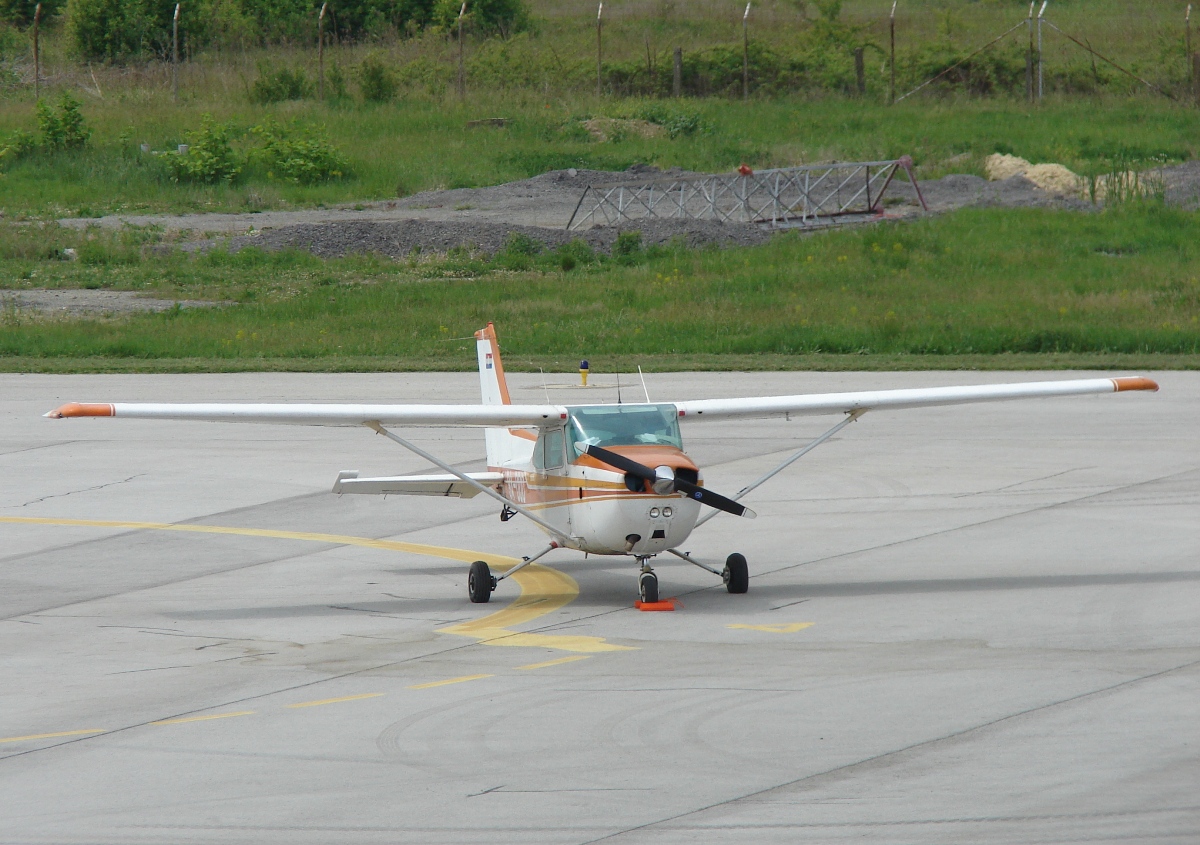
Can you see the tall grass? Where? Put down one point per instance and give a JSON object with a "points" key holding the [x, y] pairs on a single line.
{"points": [[978, 282]]}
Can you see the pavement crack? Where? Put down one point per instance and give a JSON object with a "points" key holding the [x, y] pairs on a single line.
{"points": [[84, 490]]}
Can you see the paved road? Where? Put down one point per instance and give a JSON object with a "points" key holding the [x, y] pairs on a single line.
{"points": [[971, 624]]}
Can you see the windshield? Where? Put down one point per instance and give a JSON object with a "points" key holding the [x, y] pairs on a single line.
{"points": [[624, 425]]}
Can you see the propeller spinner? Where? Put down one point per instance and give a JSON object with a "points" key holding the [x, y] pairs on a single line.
{"points": [[664, 481]]}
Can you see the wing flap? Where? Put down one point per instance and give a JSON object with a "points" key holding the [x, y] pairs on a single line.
{"points": [[878, 400], [416, 485]]}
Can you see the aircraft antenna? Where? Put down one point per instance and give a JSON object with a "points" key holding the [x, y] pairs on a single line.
{"points": [[618, 387], [642, 376], [545, 387]]}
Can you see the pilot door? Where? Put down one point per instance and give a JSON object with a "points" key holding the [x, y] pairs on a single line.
{"points": [[551, 485]]}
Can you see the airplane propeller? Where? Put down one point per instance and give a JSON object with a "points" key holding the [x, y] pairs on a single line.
{"points": [[664, 482]]}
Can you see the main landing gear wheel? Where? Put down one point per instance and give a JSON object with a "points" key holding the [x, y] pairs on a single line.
{"points": [[736, 575], [480, 582], [648, 587]]}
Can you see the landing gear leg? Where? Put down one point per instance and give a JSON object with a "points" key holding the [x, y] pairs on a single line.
{"points": [[480, 582], [647, 582]]}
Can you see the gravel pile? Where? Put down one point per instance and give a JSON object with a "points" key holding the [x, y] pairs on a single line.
{"points": [[401, 238]]}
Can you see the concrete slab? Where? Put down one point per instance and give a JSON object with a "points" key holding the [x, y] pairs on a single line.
{"points": [[964, 624]]}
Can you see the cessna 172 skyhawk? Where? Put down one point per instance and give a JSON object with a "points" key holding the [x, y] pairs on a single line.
{"points": [[600, 479]]}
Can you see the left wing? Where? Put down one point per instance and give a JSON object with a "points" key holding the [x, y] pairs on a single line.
{"points": [[416, 485], [322, 414], [920, 397]]}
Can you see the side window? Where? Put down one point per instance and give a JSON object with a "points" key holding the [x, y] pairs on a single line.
{"points": [[553, 441], [548, 453]]}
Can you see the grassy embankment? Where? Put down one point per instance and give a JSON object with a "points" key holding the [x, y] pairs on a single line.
{"points": [[995, 289]]}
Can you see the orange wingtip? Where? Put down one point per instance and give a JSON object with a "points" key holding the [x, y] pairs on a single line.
{"points": [[1134, 383], [665, 604], [81, 409]]}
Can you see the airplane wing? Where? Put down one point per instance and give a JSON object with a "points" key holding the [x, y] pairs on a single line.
{"points": [[416, 485], [921, 397], [325, 414]]}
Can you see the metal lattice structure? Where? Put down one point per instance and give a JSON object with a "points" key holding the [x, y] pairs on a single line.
{"points": [[793, 197]]}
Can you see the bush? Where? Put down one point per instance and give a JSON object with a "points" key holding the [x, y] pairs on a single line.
{"points": [[65, 130], [209, 158], [303, 160], [486, 17], [20, 12], [335, 83], [280, 85], [17, 145], [376, 80], [118, 30]]}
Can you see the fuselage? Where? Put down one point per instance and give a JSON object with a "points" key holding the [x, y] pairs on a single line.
{"points": [[597, 508]]}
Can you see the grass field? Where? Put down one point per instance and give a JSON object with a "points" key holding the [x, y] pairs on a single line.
{"points": [[413, 146], [1124, 282]]}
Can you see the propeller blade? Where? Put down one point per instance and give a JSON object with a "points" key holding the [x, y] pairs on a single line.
{"points": [[692, 491], [714, 500], [622, 463]]}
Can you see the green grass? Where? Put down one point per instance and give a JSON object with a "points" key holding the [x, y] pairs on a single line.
{"points": [[418, 145], [1125, 282]]}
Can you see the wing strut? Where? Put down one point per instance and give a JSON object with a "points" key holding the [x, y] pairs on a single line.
{"points": [[795, 456], [507, 502]]}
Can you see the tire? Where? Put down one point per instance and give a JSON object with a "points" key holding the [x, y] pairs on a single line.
{"points": [[479, 582], [648, 587], [736, 574]]}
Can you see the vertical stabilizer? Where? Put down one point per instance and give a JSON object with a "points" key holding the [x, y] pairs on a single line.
{"points": [[504, 448]]}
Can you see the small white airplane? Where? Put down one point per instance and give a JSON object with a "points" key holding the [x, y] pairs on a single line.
{"points": [[600, 479]]}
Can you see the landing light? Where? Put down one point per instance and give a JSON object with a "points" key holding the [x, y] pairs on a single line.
{"points": [[653, 513], [667, 512]]}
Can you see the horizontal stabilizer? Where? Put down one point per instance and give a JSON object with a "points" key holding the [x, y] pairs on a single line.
{"points": [[416, 485]]}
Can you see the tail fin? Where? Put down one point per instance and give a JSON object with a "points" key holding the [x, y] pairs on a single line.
{"points": [[504, 447]]}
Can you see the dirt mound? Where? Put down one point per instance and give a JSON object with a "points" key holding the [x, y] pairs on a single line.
{"points": [[1050, 177], [612, 128]]}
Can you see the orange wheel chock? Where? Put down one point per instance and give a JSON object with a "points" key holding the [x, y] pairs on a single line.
{"points": [[665, 604]]}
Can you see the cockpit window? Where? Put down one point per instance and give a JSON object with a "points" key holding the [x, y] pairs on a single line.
{"points": [[623, 425]]}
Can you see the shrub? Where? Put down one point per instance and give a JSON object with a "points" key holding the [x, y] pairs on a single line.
{"points": [[376, 80], [17, 144], [335, 83], [280, 85], [209, 158], [627, 245], [304, 159], [20, 12], [487, 17], [118, 30], [65, 130]]}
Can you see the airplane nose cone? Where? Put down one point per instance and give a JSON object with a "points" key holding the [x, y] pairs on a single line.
{"points": [[664, 481]]}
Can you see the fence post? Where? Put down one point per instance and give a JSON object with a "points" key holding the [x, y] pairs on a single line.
{"points": [[599, 47], [860, 71], [1187, 26], [1041, 12], [746, 53], [1196, 76], [1029, 55], [37, 54], [677, 87], [321, 53], [892, 36], [175, 54], [462, 82]]}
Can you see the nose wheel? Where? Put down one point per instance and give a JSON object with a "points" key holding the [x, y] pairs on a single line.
{"points": [[647, 582]]}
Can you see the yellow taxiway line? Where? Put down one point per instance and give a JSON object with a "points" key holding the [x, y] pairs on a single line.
{"points": [[183, 719], [543, 590], [449, 681], [336, 700], [557, 662], [54, 735]]}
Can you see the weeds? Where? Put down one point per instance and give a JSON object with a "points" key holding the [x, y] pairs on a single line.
{"points": [[209, 159]]}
